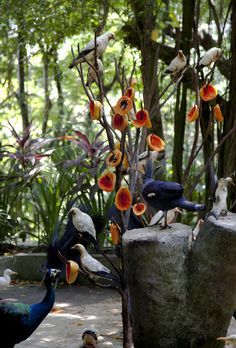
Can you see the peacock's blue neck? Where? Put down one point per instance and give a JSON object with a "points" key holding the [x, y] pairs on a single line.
{"points": [[40, 310]]}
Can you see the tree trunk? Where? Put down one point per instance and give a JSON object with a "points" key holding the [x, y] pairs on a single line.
{"points": [[207, 129], [179, 123], [60, 97], [127, 328], [145, 18], [182, 295], [22, 59], [47, 101]]}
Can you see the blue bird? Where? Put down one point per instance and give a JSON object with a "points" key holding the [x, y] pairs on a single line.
{"points": [[18, 321], [163, 195]]}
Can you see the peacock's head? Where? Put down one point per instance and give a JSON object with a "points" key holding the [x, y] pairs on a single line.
{"points": [[52, 276]]}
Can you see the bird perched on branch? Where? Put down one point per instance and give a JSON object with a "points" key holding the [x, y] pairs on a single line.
{"points": [[84, 225], [164, 195], [5, 280], [88, 52], [209, 57], [220, 202], [92, 73], [231, 339], [18, 321], [177, 64], [89, 338], [91, 265]]}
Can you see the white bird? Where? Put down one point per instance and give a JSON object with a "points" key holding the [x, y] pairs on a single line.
{"points": [[89, 263], [84, 224], [177, 64], [197, 228], [6, 279], [221, 194], [193, 234], [89, 50], [209, 57], [92, 74], [231, 339]]}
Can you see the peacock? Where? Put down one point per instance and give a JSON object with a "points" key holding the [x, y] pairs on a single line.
{"points": [[18, 321]]}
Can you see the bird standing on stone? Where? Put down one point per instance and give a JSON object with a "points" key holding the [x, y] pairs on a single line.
{"points": [[88, 51], [92, 73], [164, 195], [5, 280], [209, 57], [91, 265], [177, 64], [84, 225], [18, 321], [89, 338], [220, 203]]}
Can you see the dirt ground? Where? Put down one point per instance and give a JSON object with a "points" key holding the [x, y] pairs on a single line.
{"points": [[76, 308]]}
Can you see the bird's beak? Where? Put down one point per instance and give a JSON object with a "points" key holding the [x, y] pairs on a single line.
{"points": [[230, 180], [112, 37], [14, 272], [74, 247]]}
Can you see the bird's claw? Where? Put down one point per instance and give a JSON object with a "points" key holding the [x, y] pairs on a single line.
{"points": [[164, 227], [214, 214]]}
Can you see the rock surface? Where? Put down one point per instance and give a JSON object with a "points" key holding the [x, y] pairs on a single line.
{"points": [[182, 297]]}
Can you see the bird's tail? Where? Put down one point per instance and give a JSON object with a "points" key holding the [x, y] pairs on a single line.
{"points": [[191, 206], [109, 276]]}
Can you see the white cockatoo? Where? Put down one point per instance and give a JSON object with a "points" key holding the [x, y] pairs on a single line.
{"points": [[92, 74], [197, 228], [84, 224], [229, 340], [5, 280], [177, 64], [221, 194], [193, 233], [89, 50], [209, 57]]}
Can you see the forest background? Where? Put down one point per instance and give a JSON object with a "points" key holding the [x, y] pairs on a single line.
{"points": [[41, 100]]}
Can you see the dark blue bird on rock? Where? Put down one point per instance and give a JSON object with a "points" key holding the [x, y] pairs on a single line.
{"points": [[18, 321], [165, 195]]}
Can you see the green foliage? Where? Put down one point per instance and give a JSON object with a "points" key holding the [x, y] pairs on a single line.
{"points": [[39, 177], [50, 196]]}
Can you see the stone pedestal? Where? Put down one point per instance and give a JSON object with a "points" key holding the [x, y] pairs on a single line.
{"points": [[180, 296]]}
